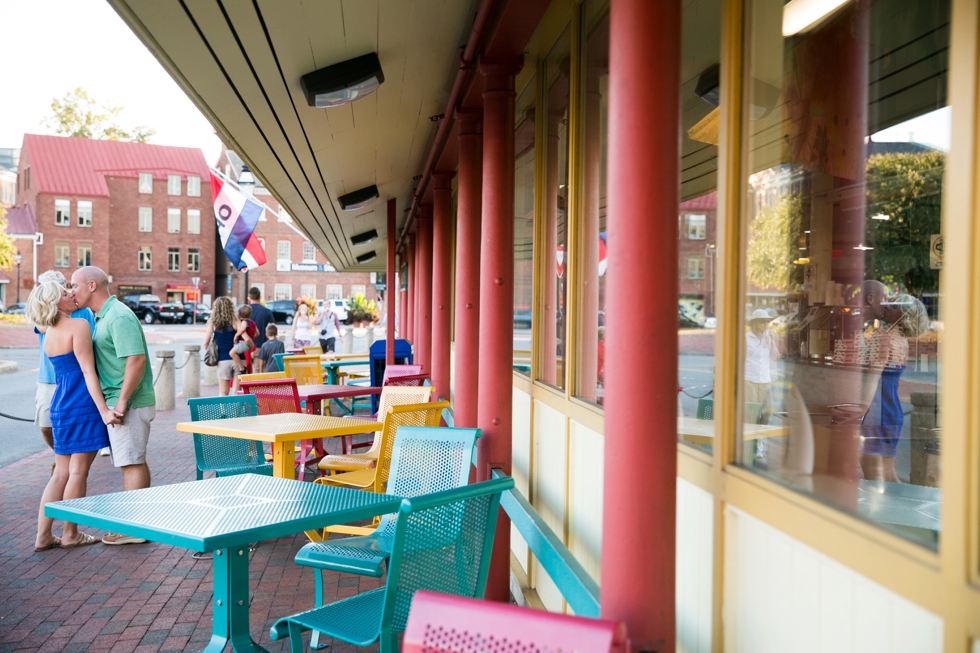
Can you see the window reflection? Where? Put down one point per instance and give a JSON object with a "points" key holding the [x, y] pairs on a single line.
{"points": [[523, 226], [845, 150]]}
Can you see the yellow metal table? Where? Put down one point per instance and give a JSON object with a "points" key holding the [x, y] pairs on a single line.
{"points": [[281, 431], [702, 431]]}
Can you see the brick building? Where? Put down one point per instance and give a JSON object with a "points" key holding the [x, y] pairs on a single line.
{"points": [[696, 256], [141, 212], [293, 265]]}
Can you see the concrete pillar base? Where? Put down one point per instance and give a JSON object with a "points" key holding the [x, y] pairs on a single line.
{"points": [[191, 379], [165, 386]]}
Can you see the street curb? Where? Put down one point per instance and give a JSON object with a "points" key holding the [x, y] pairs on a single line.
{"points": [[7, 367]]}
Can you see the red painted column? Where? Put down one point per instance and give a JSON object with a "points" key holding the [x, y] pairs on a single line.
{"points": [[402, 295], [390, 290], [410, 293], [468, 209], [497, 300], [442, 279], [639, 498], [423, 333]]}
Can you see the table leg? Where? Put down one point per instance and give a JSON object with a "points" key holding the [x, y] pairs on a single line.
{"points": [[230, 620], [332, 374], [282, 460]]}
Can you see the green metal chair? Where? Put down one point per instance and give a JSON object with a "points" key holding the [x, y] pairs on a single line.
{"points": [[441, 542], [425, 459], [753, 412], [226, 456]]}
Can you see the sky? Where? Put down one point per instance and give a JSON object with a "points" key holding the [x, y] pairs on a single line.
{"points": [[55, 46]]}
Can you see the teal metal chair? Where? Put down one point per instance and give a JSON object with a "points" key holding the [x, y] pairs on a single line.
{"points": [[425, 459], [226, 456], [280, 366], [440, 542]]}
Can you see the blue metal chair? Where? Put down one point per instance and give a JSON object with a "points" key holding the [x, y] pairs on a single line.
{"points": [[226, 456], [440, 542]]}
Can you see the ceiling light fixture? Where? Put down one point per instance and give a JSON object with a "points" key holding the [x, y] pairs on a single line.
{"points": [[369, 256], [363, 238], [881, 216], [343, 82], [359, 198], [803, 15]]}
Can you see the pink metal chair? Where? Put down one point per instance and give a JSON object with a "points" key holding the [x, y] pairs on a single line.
{"points": [[439, 623], [277, 396], [391, 371]]}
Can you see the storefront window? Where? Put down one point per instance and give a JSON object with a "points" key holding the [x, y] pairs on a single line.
{"points": [[557, 67], [846, 134], [523, 226]]}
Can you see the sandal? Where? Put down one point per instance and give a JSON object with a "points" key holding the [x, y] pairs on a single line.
{"points": [[53, 544], [84, 539]]}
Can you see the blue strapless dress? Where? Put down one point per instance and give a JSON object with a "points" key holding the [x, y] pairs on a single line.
{"points": [[75, 421]]}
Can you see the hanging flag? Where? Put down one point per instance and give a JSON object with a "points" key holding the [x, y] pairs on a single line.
{"points": [[237, 216], [602, 253]]}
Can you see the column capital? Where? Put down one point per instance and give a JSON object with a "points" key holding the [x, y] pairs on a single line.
{"points": [[425, 212], [442, 180], [470, 120], [500, 74]]}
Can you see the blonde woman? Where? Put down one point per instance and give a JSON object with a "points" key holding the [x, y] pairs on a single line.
{"points": [[222, 327], [301, 326], [79, 414]]}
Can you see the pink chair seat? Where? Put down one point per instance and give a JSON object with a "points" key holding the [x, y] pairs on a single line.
{"points": [[438, 623]]}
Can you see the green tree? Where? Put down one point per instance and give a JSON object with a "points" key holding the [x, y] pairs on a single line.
{"points": [[78, 114], [907, 188], [774, 245], [7, 248]]}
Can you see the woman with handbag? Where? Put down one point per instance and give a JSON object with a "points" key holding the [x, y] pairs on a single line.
{"points": [[221, 334]]}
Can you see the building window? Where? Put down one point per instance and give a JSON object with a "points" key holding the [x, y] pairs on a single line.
{"points": [[695, 267], [61, 256], [193, 221], [173, 184], [84, 210], [309, 252], [145, 259], [173, 221], [284, 250], [335, 291], [193, 259], [146, 218], [697, 227], [308, 289], [146, 182], [84, 254], [62, 212], [283, 291], [173, 259], [193, 186], [357, 289]]}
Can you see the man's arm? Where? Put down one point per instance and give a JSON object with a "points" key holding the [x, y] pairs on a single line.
{"points": [[131, 379]]}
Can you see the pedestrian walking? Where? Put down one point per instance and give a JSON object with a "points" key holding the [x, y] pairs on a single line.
{"points": [[261, 315], [222, 326]]}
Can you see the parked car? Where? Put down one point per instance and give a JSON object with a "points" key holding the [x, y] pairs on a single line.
{"points": [[150, 309], [283, 310], [522, 318], [16, 309], [203, 313]]}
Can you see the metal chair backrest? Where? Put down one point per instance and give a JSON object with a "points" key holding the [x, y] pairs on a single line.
{"points": [[439, 623], [392, 371], [305, 369], [312, 350], [410, 380], [427, 414], [398, 396], [706, 410], [275, 396], [214, 452], [261, 376], [441, 543], [279, 358]]}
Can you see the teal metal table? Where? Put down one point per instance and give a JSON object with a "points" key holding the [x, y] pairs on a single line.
{"points": [[332, 367], [223, 515]]}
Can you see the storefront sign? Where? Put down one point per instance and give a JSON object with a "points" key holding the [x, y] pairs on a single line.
{"points": [[125, 289], [286, 266], [936, 252]]}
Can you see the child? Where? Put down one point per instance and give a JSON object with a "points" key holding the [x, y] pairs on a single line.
{"points": [[265, 359], [245, 330]]}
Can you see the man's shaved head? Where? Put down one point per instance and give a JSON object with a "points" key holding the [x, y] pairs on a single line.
{"points": [[92, 273]]}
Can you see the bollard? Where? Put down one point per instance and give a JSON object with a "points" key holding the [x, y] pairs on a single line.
{"points": [[349, 341], [192, 371], [210, 375], [165, 383], [369, 336]]}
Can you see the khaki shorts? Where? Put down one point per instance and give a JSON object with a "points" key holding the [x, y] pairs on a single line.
{"points": [[128, 440], [227, 370], [42, 405]]}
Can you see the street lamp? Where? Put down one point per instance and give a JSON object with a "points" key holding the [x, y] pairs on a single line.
{"points": [[18, 258], [246, 181]]}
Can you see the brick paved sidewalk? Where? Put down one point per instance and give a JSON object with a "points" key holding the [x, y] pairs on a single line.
{"points": [[143, 598], [22, 336]]}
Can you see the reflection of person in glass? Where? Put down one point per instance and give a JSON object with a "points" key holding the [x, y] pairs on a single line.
{"points": [[760, 350], [894, 322]]}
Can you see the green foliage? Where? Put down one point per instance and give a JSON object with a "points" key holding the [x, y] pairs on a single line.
{"points": [[7, 248], [78, 114], [359, 309], [907, 188], [773, 245]]}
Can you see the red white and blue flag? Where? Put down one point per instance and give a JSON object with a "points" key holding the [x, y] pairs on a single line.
{"points": [[237, 215]]}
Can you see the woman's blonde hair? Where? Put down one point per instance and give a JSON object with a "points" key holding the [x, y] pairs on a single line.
{"points": [[222, 313], [42, 305]]}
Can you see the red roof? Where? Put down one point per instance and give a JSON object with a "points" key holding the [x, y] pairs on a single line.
{"points": [[21, 221], [79, 166], [708, 201]]}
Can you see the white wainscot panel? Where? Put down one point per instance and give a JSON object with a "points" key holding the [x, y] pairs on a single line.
{"points": [[521, 465], [781, 595], [585, 459], [695, 528], [548, 490]]}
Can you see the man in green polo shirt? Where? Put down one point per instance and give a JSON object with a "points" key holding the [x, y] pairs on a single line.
{"points": [[123, 363]]}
